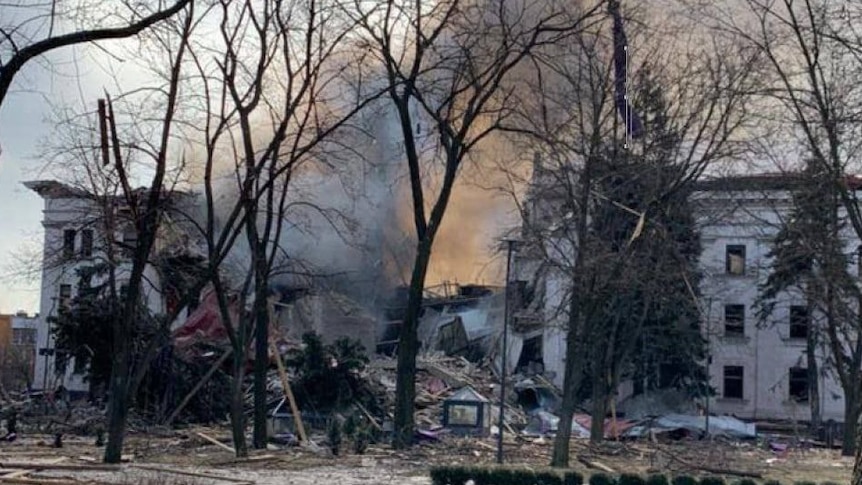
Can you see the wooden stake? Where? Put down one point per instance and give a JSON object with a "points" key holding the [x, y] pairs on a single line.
{"points": [[285, 383]]}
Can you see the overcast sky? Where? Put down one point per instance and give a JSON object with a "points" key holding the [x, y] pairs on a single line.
{"points": [[72, 80]]}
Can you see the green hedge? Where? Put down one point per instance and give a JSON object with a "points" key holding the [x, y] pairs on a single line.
{"points": [[458, 475], [497, 475]]}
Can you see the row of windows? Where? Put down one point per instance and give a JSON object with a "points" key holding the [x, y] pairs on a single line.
{"points": [[734, 383], [734, 260], [734, 321]]}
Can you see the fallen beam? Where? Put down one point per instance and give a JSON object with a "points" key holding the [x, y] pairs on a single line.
{"points": [[192, 474], [15, 465], [41, 481], [216, 442]]}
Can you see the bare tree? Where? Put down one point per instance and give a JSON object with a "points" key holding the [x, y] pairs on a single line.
{"points": [[30, 30], [809, 101], [270, 100], [447, 68], [694, 118]]}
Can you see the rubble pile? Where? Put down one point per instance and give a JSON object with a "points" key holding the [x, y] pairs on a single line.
{"points": [[437, 378]]}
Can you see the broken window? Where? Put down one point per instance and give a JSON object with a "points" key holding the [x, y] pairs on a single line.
{"points": [[65, 296], [735, 259], [798, 385], [531, 360], [68, 243], [86, 243], [734, 320], [799, 322], [733, 381]]}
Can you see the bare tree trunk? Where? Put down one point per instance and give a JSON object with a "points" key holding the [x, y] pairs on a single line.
{"points": [[408, 347], [573, 375], [813, 377], [237, 411], [118, 401], [857, 465], [851, 416], [261, 347], [600, 399]]}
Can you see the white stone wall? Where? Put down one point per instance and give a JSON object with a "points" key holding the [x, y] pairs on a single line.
{"points": [[765, 352]]}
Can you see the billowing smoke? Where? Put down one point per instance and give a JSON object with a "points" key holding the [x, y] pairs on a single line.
{"points": [[349, 225]]}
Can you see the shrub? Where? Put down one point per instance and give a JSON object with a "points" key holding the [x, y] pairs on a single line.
{"points": [[683, 480], [745, 481], [572, 478], [631, 479], [772, 482], [449, 475], [805, 482], [601, 479], [657, 479], [712, 481]]}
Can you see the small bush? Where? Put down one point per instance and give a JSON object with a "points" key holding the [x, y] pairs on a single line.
{"points": [[631, 479], [772, 482], [805, 483], [830, 483], [657, 479], [601, 479], [712, 481], [683, 480], [449, 475], [572, 478], [745, 481]]}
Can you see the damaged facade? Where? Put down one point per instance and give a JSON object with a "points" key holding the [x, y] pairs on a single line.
{"points": [[757, 370]]}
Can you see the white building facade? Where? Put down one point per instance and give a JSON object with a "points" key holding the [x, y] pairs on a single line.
{"points": [[74, 239], [758, 367]]}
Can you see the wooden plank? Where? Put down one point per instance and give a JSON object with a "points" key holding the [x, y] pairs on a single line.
{"points": [[216, 442], [40, 481], [57, 466], [191, 474]]}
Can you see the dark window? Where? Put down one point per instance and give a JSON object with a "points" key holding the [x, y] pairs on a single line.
{"points": [[734, 320], [24, 336], [798, 384], [733, 380], [68, 243], [130, 240], [80, 365], [734, 261], [86, 243], [799, 322], [65, 296]]}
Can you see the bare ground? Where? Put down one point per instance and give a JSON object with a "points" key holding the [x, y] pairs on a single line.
{"points": [[380, 464]]}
